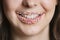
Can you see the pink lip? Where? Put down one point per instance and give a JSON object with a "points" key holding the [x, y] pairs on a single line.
{"points": [[29, 21]]}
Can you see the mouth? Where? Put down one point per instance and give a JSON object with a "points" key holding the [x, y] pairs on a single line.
{"points": [[29, 18]]}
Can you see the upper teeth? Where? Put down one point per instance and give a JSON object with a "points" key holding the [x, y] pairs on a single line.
{"points": [[30, 16]]}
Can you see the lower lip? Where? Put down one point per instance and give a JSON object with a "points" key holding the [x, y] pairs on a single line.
{"points": [[29, 21]]}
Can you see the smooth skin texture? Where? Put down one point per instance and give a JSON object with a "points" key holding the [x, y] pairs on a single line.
{"points": [[37, 31]]}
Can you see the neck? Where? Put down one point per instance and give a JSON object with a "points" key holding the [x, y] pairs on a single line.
{"points": [[44, 35]]}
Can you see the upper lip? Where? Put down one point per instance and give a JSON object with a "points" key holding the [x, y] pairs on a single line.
{"points": [[27, 13]]}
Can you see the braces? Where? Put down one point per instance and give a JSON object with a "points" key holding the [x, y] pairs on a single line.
{"points": [[30, 16]]}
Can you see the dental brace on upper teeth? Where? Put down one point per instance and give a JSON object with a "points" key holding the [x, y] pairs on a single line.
{"points": [[30, 16]]}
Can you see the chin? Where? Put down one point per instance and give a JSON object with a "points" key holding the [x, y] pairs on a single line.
{"points": [[29, 30]]}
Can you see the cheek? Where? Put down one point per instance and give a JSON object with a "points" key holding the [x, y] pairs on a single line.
{"points": [[48, 4], [12, 4]]}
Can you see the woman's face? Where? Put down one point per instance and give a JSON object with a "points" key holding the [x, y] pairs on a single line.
{"points": [[29, 16]]}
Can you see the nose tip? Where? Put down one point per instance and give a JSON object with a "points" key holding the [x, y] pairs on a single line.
{"points": [[28, 4]]}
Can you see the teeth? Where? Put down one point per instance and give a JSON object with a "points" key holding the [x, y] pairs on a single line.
{"points": [[30, 16]]}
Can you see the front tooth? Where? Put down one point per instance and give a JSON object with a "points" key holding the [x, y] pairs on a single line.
{"points": [[31, 16]]}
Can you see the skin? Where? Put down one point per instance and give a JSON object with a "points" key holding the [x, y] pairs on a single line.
{"points": [[21, 29]]}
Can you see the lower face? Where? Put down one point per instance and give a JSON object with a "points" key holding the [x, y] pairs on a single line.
{"points": [[29, 16]]}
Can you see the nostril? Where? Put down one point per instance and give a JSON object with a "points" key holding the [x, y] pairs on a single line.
{"points": [[25, 4], [29, 4], [35, 4]]}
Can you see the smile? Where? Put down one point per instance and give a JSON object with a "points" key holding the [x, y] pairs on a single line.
{"points": [[29, 18]]}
